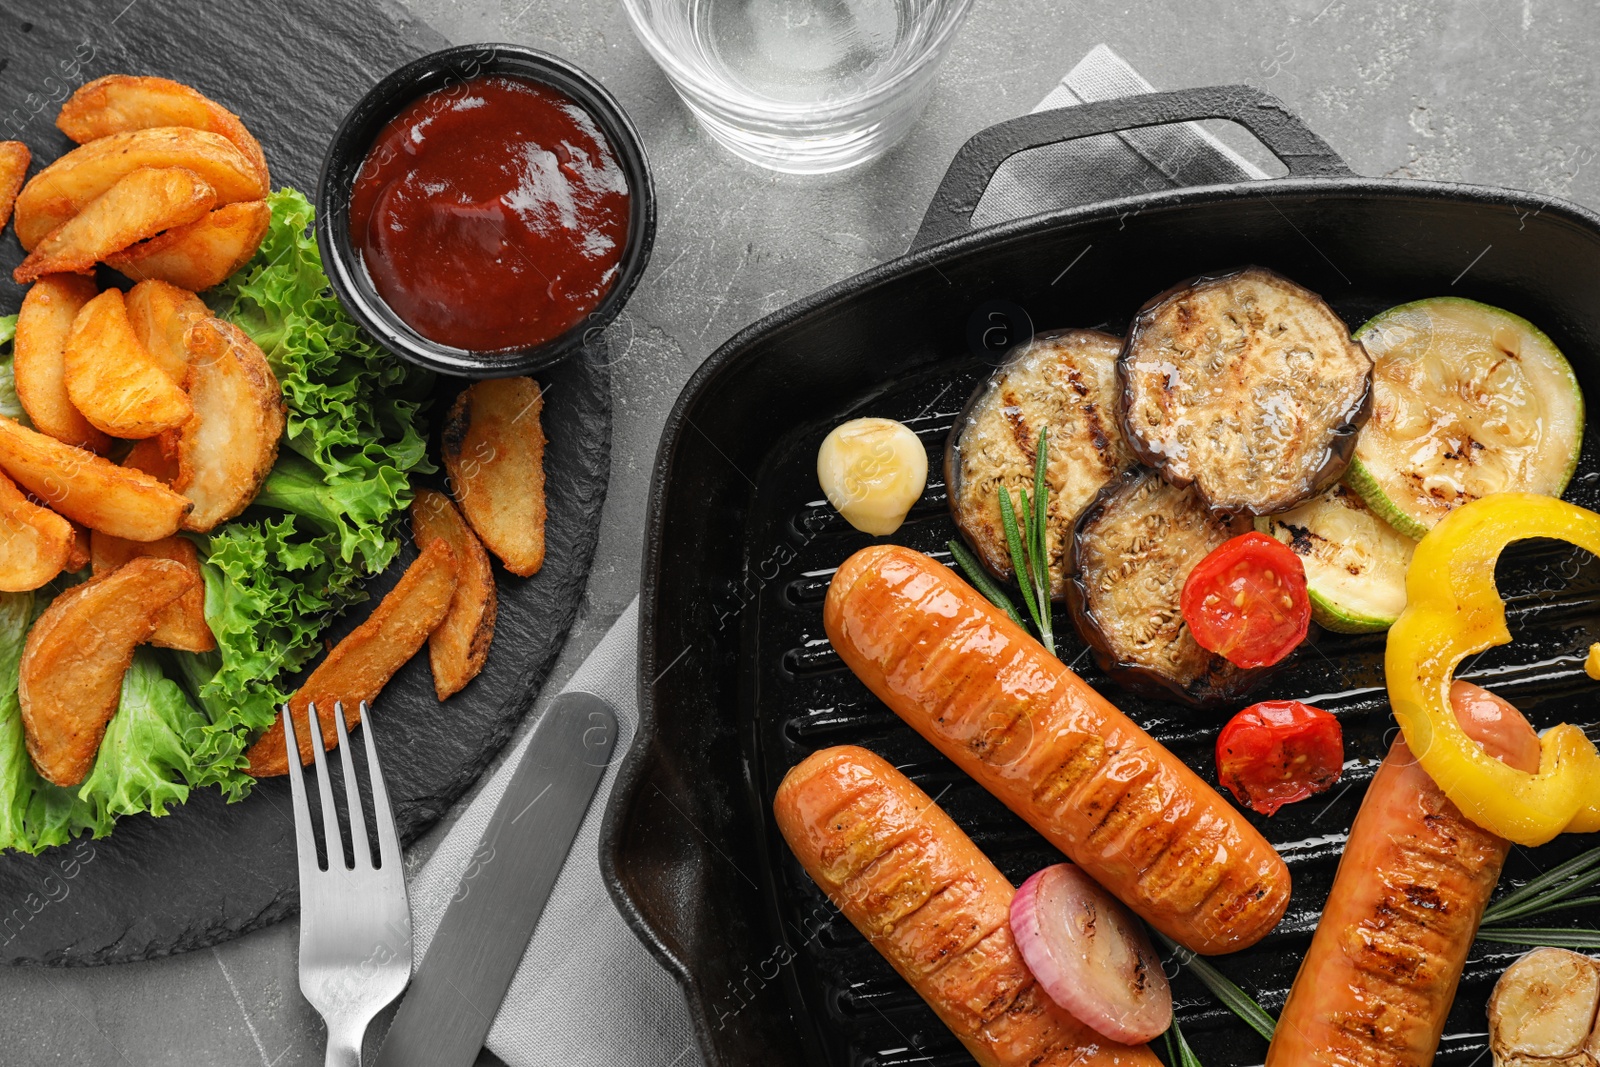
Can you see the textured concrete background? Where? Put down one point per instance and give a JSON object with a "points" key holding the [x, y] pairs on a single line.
{"points": [[1492, 91]]}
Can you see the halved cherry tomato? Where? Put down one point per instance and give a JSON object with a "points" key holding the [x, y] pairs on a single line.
{"points": [[1277, 752], [1247, 600]]}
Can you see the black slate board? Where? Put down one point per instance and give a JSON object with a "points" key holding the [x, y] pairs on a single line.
{"points": [[211, 871]]}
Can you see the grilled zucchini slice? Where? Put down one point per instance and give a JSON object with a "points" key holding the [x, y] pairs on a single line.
{"points": [[1468, 400], [1132, 551], [1065, 384], [1355, 562], [1246, 386]]}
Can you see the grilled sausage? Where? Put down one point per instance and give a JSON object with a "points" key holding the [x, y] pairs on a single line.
{"points": [[1377, 983], [1054, 751], [925, 897]]}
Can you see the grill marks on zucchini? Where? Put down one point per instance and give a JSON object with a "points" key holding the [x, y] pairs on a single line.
{"points": [[1246, 386], [1062, 382], [1132, 551], [1355, 561], [1468, 400]]}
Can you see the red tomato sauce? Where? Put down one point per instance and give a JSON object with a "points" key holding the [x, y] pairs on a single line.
{"points": [[491, 214]]}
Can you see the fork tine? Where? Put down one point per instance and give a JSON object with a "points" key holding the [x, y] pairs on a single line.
{"points": [[305, 842], [352, 795], [330, 818], [382, 814]]}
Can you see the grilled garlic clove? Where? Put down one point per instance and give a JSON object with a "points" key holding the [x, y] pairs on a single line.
{"points": [[872, 471], [1542, 1011]]}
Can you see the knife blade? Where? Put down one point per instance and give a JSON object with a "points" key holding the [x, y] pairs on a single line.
{"points": [[445, 1016]]}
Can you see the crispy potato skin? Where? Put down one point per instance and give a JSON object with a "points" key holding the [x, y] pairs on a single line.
{"points": [[89, 489], [75, 656], [1377, 983], [119, 103], [78, 551], [14, 160], [1054, 751], [156, 456], [182, 623], [73, 181], [493, 449], [229, 444], [136, 208], [39, 355], [459, 647], [161, 315], [35, 542], [203, 253], [112, 380], [933, 905], [361, 665]]}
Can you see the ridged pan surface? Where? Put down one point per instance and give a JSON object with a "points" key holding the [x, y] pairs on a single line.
{"points": [[740, 682]]}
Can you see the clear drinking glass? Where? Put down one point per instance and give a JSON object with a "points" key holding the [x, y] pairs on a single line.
{"points": [[805, 86]]}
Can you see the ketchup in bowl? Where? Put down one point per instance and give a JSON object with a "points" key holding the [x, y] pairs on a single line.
{"points": [[491, 214]]}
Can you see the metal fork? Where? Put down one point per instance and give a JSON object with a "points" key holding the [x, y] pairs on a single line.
{"points": [[355, 922]]}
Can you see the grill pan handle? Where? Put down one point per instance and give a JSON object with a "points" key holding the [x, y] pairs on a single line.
{"points": [[1274, 125]]}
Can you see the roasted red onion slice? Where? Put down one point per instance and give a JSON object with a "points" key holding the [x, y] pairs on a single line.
{"points": [[1091, 955]]}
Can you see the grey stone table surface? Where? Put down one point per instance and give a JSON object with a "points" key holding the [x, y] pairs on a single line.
{"points": [[1500, 92]]}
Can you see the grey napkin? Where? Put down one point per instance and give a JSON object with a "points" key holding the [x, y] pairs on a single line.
{"points": [[587, 992]]}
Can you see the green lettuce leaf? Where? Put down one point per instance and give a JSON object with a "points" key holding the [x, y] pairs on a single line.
{"points": [[326, 518], [146, 760]]}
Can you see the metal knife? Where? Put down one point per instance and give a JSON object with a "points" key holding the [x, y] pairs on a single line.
{"points": [[487, 925]]}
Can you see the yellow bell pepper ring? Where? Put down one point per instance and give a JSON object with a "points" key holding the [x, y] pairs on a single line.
{"points": [[1453, 611]]}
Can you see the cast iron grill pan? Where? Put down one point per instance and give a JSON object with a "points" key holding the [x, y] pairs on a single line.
{"points": [[738, 682]]}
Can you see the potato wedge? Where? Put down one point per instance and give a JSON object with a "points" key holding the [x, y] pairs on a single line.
{"points": [[110, 377], [459, 646], [156, 456], [201, 254], [135, 209], [72, 182], [161, 315], [76, 654], [494, 452], [38, 359], [182, 623], [90, 489], [230, 442], [119, 103], [35, 542], [361, 665], [14, 160]]}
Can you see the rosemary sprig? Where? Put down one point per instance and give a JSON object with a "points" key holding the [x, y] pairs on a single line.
{"points": [[1028, 542], [1233, 998], [1183, 1056], [1549, 892], [1575, 939], [982, 582]]}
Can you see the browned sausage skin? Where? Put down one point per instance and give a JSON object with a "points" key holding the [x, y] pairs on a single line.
{"points": [[1377, 983], [1054, 751], [930, 901]]}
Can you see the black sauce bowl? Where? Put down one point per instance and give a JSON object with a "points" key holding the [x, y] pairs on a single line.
{"points": [[348, 151]]}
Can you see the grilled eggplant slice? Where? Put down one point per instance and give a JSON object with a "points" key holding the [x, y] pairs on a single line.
{"points": [[1468, 400], [1355, 562], [1246, 386], [1063, 383], [1132, 551]]}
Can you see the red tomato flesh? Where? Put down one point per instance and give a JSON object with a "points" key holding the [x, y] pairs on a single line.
{"points": [[1277, 752], [1247, 600]]}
